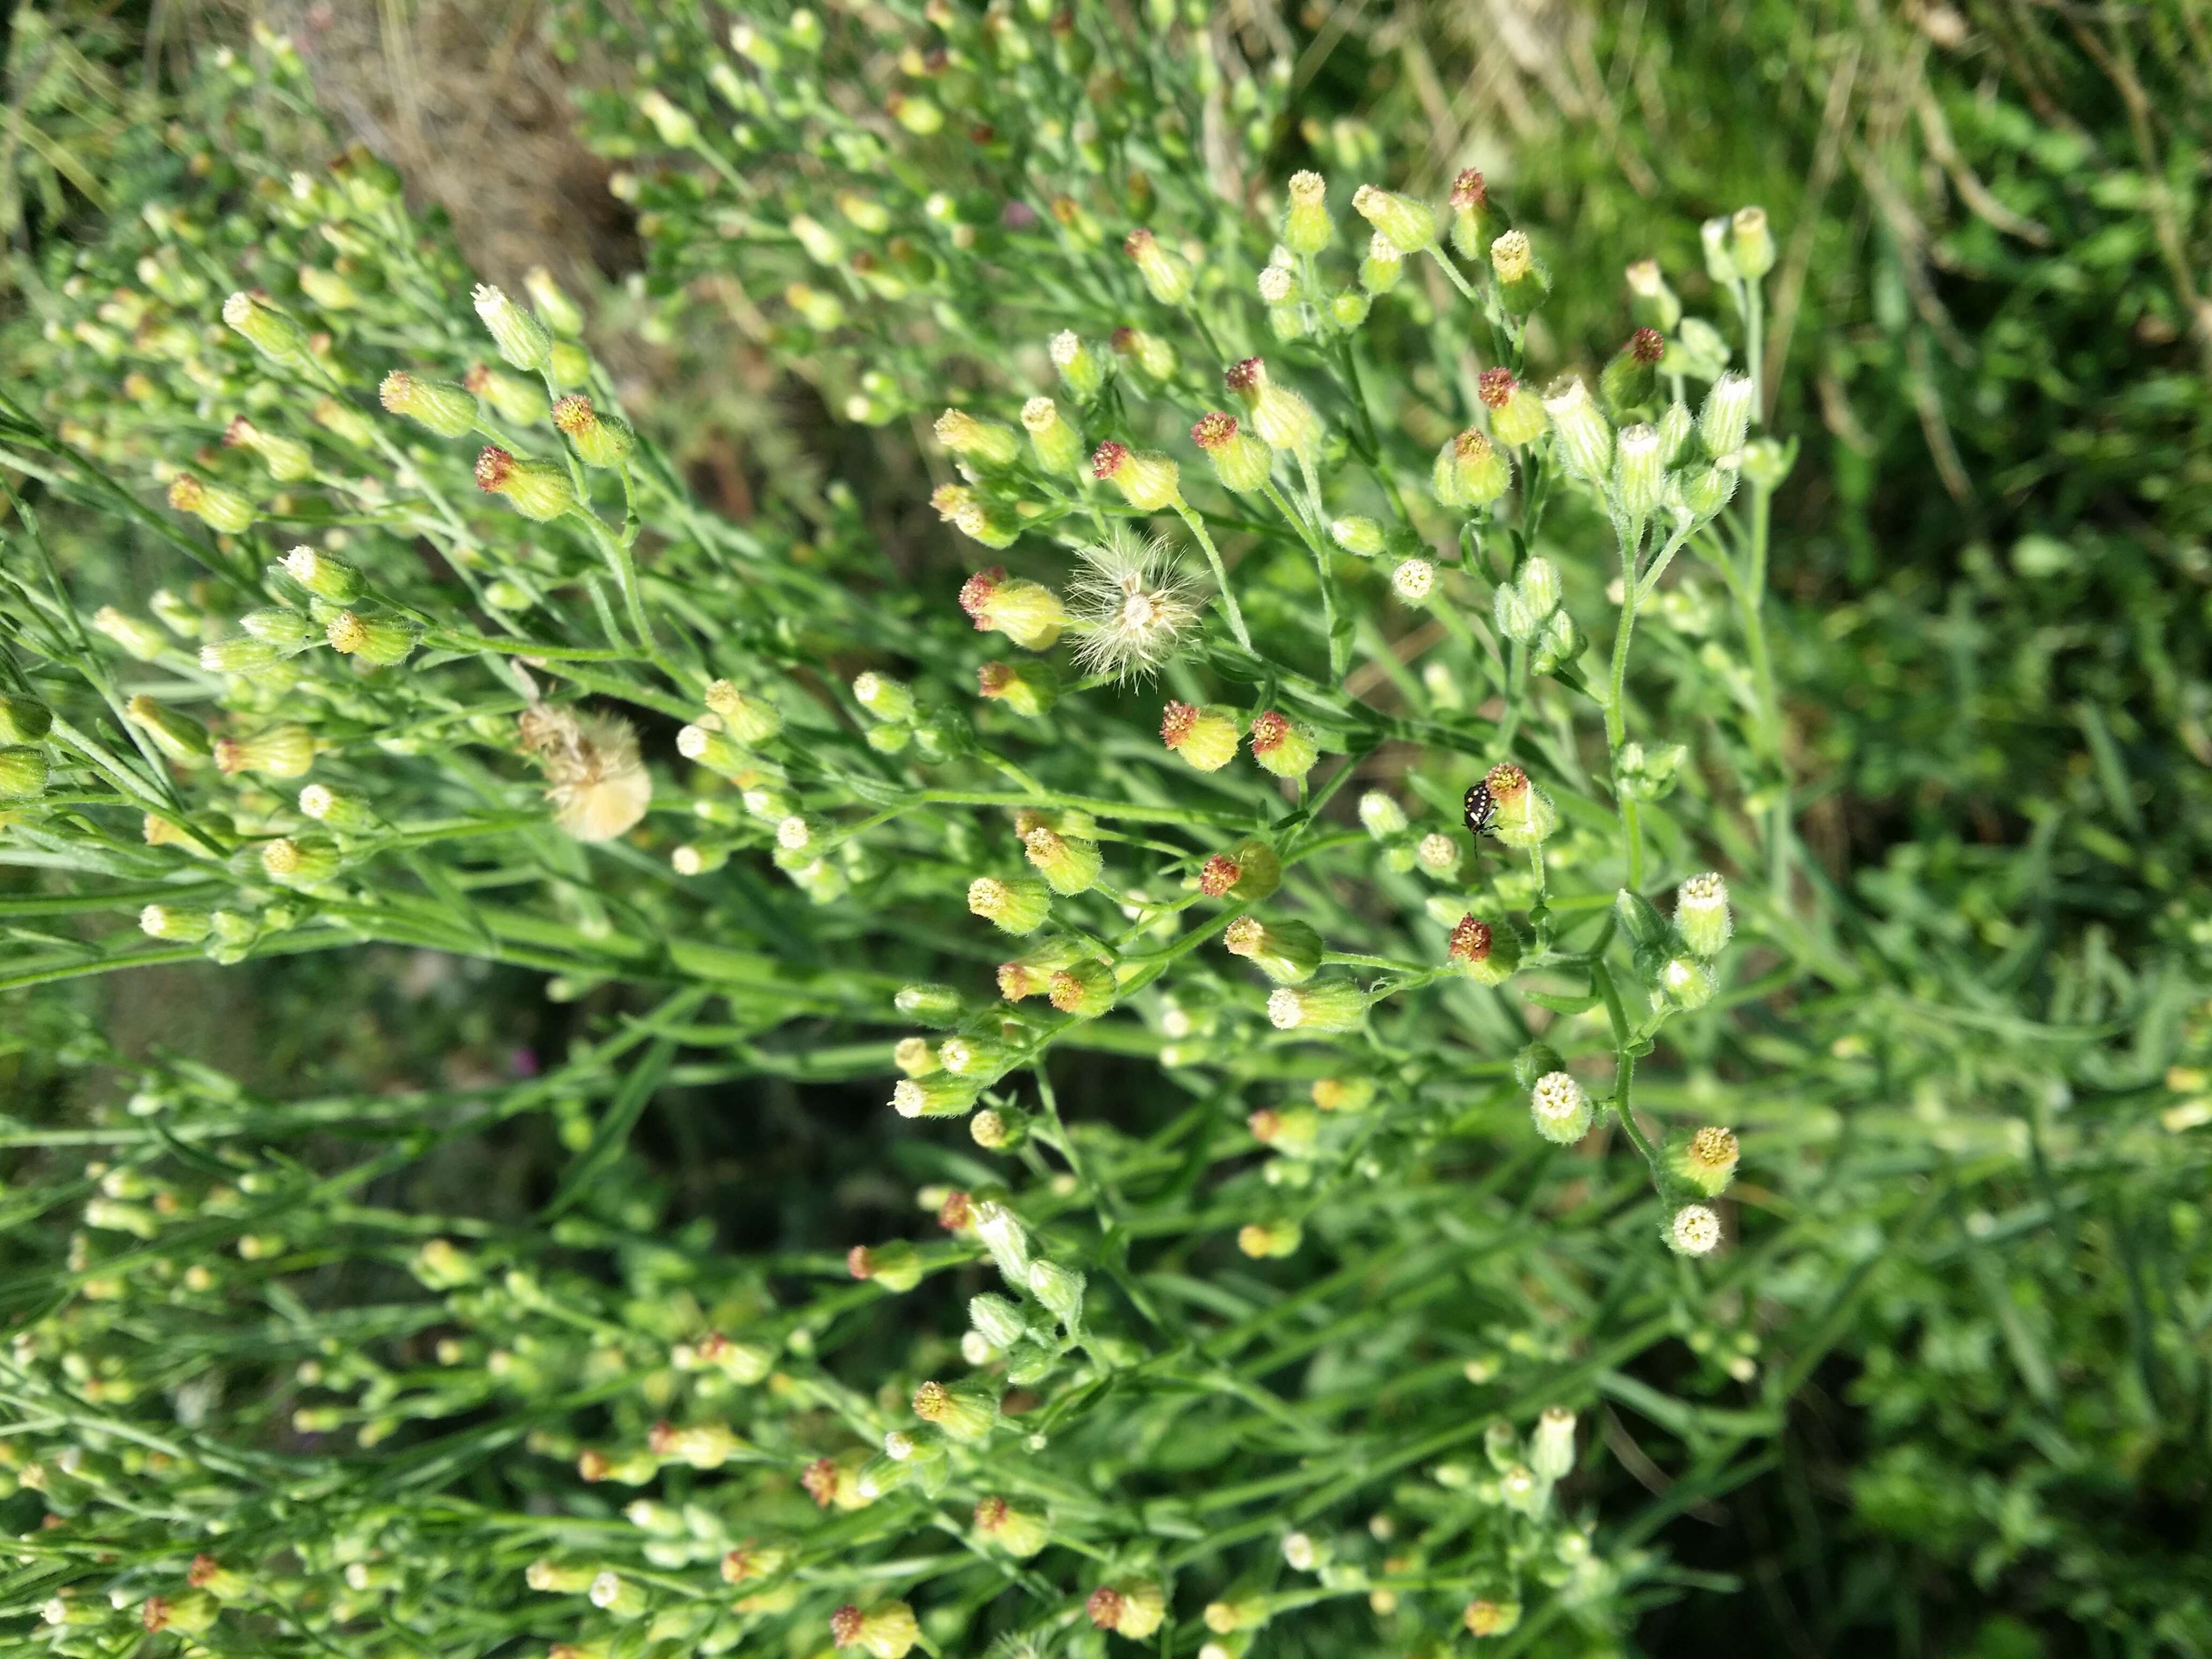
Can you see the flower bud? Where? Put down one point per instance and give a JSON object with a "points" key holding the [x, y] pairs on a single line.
{"points": [[915, 1057], [1155, 358], [1471, 214], [999, 1129], [1249, 1611], [1017, 1532], [1487, 955], [600, 440], [1751, 243], [1485, 1618], [1068, 864], [937, 1094], [1524, 815], [24, 720], [1292, 1131], [519, 402], [1639, 477], [1028, 689], [999, 1321], [992, 448], [749, 719], [1383, 266], [1029, 974], [342, 422], [192, 1614], [1246, 873], [885, 698], [1539, 586], [1288, 953], [325, 575], [1282, 746], [1306, 228], [1552, 1447], [1585, 440], [224, 1583], [560, 313], [1026, 612], [749, 1561], [1523, 280], [1764, 463], [713, 749], [168, 921], [1686, 981], [1166, 272], [379, 642], [269, 331], [967, 1412], [1650, 301], [1359, 537], [1150, 481], [1410, 225], [1706, 1160], [1699, 493], [538, 490], [1060, 1291], [1381, 815], [1725, 420], [1438, 854], [178, 736], [246, 657], [525, 342], [1720, 259], [440, 406], [304, 862], [1016, 905], [1561, 1108], [1630, 379], [1078, 364], [1469, 472], [1337, 1005], [896, 1266], [1084, 989], [339, 811], [1130, 1607], [1241, 461], [1694, 1230], [222, 510], [1262, 1239], [1002, 1234], [1279, 417], [1206, 738], [1516, 414], [1702, 916], [288, 459], [282, 752], [1058, 444], [937, 1005], [700, 1446]]}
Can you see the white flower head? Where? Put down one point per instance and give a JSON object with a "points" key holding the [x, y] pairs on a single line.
{"points": [[1131, 605], [1695, 1230]]}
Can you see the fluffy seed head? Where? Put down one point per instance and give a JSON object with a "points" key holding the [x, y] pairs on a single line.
{"points": [[1131, 604], [1695, 1230]]}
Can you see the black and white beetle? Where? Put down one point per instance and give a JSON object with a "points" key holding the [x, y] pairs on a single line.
{"points": [[1481, 806]]}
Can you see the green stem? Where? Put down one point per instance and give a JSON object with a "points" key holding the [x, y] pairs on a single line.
{"points": [[1220, 573]]}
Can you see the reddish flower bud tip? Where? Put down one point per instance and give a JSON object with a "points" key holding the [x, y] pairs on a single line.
{"points": [[976, 589], [1269, 728], [1495, 386], [1247, 376], [1265, 1125], [1647, 345], [1176, 723], [573, 413], [1221, 873], [1123, 340], [1213, 431], [993, 678], [820, 1480], [957, 1213], [1506, 781], [661, 1438], [1470, 445], [1137, 241], [493, 467], [845, 1624], [393, 391], [1468, 190], [1108, 459], [238, 432], [991, 1514], [858, 1262], [203, 1568], [1104, 1607], [1470, 941], [478, 378]]}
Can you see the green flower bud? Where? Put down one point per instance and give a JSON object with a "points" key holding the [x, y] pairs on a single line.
{"points": [[269, 331], [939, 1005], [1348, 308], [966, 1410], [1686, 981], [192, 1614], [1561, 1108], [1084, 989], [325, 575], [339, 809], [1675, 428], [749, 719], [440, 406], [1522, 278], [1469, 473], [1026, 612], [518, 403], [1487, 1617], [178, 736], [1751, 243], [897, 1266], [1078, 365], [1725, 421], [1584, 439], [1241, 461], [379, 642], [1702, 916], [1639, 476], [1720, 258], [1205, 737], [569, 364], [1705, 1160], [618, 1597], [1018, 905], [1336, 1005], [1246, 873], [288, 459], [559, 312], [1155, 358], [1283, 746], [1765, 463], [1279, 417], [306, 862], [1703, 491], [525, 342], [224, 511], [997, 1321], [1166, 272], [1288, 953], [1069, 864], [23, 773], [1017, 1532], [1263, 1239], [1383, 267], [1516, 414], [1487, 955], [1001, 1129], [342, 422], [713, 749], [1133, 1608], [1362, 537], [992, 448], [1557, 641], [1028, 688], [24, 720], [1058, 445], [1650, 301], [1381, 815], [1060, 1289], [1552, 1447], [1472, 218], [287, 631], [538, 490], [1306, 228], [1148, 481], [1410, 225]]}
